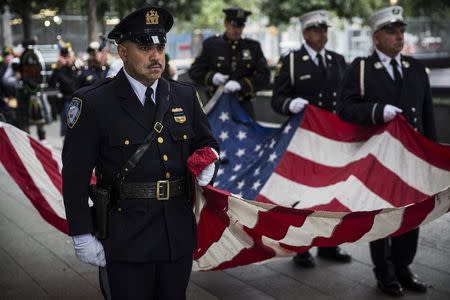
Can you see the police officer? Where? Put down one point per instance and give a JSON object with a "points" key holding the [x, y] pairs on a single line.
{"points": [[65, 78], [152, 229], [376, 89], [95, 68], [230, 60], [310, 75]]}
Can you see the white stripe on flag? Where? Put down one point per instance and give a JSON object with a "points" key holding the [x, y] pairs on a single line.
{"points": [[388, 150]]}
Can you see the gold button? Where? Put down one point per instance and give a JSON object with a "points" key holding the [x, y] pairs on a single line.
{"points": [[249, 66], [119, 209], [233, 58], [126, 142], [167, 175], [234, 47], [219, 65], [160, 140], [165, 157], [184, 136]]}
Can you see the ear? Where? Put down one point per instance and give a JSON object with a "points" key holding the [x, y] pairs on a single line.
{"points": [[122, 50]]}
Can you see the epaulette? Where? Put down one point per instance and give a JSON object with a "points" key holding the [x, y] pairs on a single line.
{"points": [[95, 85]]}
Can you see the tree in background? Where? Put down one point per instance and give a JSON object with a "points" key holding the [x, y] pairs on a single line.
{"points": [[26, 8]]}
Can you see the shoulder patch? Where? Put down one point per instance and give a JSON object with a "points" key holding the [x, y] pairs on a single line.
{"points": [[74, 111]]}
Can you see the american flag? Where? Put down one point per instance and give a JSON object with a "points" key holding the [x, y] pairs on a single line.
{"points": [[347, 184]]}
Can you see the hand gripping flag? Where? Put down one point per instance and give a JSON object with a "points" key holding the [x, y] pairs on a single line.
{"points": [[316, 181]]}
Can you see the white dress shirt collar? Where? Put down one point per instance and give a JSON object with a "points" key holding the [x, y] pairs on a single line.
{"points": [[139, 89], [313, 54], [386, 61]]}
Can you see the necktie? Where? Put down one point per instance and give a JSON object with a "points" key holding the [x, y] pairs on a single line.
{"points": [[148, 96], [397, 76], [322, 65]]}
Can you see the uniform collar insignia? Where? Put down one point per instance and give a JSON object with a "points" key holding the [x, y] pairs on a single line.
{"points": [[378, 65], [305, 57], [329, 57], [405, 64]]}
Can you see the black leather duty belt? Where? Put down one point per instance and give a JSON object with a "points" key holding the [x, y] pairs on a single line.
{"points": [[160, 190]]}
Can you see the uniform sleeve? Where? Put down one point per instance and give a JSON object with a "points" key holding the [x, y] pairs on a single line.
{"points": [[203, 135], [282, 88], [79, 157], [260, 78], [354, 108], [201, 72], [429, 127]]}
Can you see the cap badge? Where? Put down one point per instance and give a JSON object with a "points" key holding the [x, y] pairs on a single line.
{"points": [[152, 18], [396, 11], [240, 14], [378, 65], [178, 115], [305, 57]]}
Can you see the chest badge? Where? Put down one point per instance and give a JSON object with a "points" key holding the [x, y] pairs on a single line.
{"points": [[246, 55], [178, 115]]}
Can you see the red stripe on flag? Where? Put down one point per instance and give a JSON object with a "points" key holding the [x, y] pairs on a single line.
{"points": [[380, 180], [16, 169], [331, 126], [213, 219], [415, 214], [50, 166], [352, 228]]}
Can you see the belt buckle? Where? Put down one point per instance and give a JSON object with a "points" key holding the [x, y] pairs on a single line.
{"points": [[162, 189]]}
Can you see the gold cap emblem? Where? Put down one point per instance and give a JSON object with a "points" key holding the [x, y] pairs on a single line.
{"points": [[152, 17]]}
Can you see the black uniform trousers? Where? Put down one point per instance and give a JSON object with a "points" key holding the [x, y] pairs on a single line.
{"points": [[389, 255], [165, 280]]}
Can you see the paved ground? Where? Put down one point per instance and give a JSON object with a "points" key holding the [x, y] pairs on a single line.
{"points": [[38, 262]]}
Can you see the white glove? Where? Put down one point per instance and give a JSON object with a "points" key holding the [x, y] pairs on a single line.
{"points": [[231, 87], [219, 78], [206, 175], [89, 250], [389, 112], [297, 105]]}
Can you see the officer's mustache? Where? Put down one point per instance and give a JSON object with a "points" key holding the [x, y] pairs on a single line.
{"points": [[154, 63]]}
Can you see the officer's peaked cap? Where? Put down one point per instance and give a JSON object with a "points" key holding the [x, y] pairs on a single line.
{"points": [[315, 18], [148, 25], [386, 17], [236, 16]]}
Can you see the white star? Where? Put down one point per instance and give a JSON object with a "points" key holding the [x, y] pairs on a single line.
{"points": [[220, 172], [223, 135], [257, 171], [216, 183], [223, 153], [241, 135], [232, 178], [241, 184], [272, 143], [257, 148], [272, 156], [256, 185], [224, 116], [260, 153], [240, 152], [237, 167], [287, 129]]}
